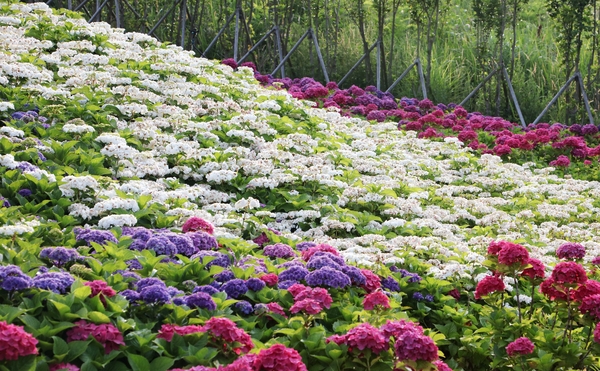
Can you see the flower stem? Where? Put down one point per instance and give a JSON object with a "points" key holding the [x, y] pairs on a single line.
{"points": [[518, 296]]}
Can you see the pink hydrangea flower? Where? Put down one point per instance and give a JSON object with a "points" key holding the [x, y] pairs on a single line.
{"points": [[441, 366], [106, 334], [15, 342], [571, 251], [276, 308], [569, 273], [279, 358], [537, 269], [590, 305], [195, 224], [63, 367], [512, 254], [306, 254], [597, 333], [561, 161], [396, 328], [227, 331], [521, 346], [318, 294], [553, 290], [270, 279], [489, 285], [373, 280], [590, 287], [415, 347], [308, 306], [376, 299], [365, 336], [168, 330]]}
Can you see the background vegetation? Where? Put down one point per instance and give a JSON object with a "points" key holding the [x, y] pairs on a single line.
{"points": [[541, 43]]}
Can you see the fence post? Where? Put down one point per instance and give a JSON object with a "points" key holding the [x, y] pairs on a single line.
{"points": [[378, 64], [182, 19], [421, 77], [236, 36], [554, 99], [471, 94], [406, 71], [313, 36], [262, 39], [306, 34], [98, 10], [586, 101], [214, 41], [513, 96], [279, 50], [364, 56]]}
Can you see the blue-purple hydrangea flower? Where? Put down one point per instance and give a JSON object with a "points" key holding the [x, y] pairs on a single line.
{"points": [[184, 244], [234, 288], [301, 246], [155, 294], [279, 250], [243, 307], [91, 235], [356, 276], [295, 273], [161, 245], [391, 284], [328, 277], [220, 259], [200, 300], [322, 261], [255, 284], [59, 282], [224, 276], [206, 289], [13, 279], [203, 240], [60, 256]]}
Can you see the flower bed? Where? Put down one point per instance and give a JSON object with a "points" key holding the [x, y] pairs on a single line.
{"points": [[572, 149], [161, 211]]}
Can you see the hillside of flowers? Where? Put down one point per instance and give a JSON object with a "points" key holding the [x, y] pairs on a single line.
{"points": [[163, 212], [573, 150]]}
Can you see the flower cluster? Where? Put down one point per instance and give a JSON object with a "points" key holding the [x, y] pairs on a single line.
{"points": [[13, 279], [60, 256], [15, 342], [521, 346], [227, 333], [106, 334]]}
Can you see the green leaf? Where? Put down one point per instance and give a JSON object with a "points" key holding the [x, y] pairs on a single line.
{"points": [[76, 349], [161, 364], [138, 362], [60, 347], [98, 317]]}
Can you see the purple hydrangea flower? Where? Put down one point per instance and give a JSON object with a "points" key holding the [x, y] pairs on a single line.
{"points": [[413, 277], [356, 276], [571, 251], [150, 281], [141, 233], [137, 245], [234, 288], [216, 285], [429, 298], [322, 261], [60, 256], [418, 296], [203, 240], [206, 289], [161, 245], [26, 167], [25, 192], [284, 285], [5, 202], [155, 294], [589, 129], [301, 246], [295, 273], [329, 277], [255, 284], [174, 291], [220, 259], [243, 307], [90, 235], [338, 259], [130, 295], [59, 282], [224, 276], [134, 264], [200, 300], [184, 244], [16, 283], [279, 250], [391, 284]]}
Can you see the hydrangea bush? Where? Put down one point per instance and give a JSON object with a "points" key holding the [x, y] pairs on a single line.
{"points": [[166, 212]]}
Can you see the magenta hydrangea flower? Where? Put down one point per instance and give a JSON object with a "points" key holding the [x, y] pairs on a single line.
{"points": [[376, 299], [571, 251], [521, 346], [15, 342], [308, 306], [279, 358], [365, 336], [489, 285], [415, 347], [569, 273]]}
